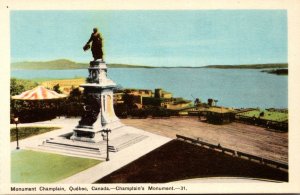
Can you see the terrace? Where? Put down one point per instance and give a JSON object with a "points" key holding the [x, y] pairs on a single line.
{"points": [[270, 119]]}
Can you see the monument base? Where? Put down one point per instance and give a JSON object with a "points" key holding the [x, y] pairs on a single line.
{"points": [[123, 138], [93, 133], [86, 134], [99, 111]]}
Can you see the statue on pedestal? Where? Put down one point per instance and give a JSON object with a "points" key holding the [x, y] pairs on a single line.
{"points": [[98, 107], [96, 41]]}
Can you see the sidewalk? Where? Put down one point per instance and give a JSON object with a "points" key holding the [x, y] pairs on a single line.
{"points": [[66, 126], [117, 159]]}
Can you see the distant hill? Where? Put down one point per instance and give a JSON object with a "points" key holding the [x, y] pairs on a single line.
{"points": [[55, 64], [249, 66], [128, 66], [63, 64], [68, 64]]}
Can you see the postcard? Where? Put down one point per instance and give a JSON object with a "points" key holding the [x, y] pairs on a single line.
{"points": [[117, 97]]}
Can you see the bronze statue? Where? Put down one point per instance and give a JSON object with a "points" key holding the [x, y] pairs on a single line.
{"points": [[96, 41]]}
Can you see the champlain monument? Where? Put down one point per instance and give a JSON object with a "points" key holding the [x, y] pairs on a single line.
{"points": [[98, 97], [87, 138]]}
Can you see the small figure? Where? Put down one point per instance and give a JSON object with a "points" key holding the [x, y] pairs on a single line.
{"points": [[96, 41]]}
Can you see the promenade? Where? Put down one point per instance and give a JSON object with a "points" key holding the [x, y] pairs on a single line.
{"points": [[117, 159], [241, 137]]}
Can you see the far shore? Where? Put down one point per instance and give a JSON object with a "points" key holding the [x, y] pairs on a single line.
{"points": [[64, 64]]}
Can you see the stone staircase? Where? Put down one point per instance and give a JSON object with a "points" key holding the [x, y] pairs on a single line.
{"points": [[97, 150], [127, 140]]}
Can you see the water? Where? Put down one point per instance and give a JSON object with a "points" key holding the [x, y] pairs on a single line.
{"points": [[231, 87]]}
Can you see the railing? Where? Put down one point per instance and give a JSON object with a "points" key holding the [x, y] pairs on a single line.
{"points": [[242, 155]]}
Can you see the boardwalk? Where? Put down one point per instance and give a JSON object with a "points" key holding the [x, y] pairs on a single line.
{"points": [[245, 138]]}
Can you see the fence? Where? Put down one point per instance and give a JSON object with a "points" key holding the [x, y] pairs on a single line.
{"points": [[242, 155]]}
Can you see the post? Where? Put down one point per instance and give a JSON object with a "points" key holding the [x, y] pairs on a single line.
{"points": [[107, 146], [107, 150], [17, 132]]}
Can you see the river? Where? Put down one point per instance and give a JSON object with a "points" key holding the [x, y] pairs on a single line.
{"points": [[239, 88]]}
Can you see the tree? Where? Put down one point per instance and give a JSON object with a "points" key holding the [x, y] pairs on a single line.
{"points": [[18, 86], [56, 88], [75, 93], [73, 105], [15, 87]]}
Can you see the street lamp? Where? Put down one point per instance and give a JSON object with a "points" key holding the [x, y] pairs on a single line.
{"points": [[107, 152], [17, 131]]}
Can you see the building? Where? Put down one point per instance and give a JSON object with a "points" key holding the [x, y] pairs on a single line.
{"points": [[139, 92], [219, 115], [145, 97], [118, 97], [160, 93], [175, 104]]}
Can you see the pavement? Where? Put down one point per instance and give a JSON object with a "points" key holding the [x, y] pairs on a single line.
{"points": [[117, 159]]}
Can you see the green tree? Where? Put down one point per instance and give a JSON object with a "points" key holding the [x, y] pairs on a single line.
{"points": [[18, 86], [56, 88], [15, 87]]}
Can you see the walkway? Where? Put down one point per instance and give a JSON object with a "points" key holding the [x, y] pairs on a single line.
{"points": [[117, 159], [246, 138]]}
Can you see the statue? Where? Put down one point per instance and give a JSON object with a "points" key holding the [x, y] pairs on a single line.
{"points": [[96, 41]]}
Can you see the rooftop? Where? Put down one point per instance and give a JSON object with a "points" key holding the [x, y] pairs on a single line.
{"points": [[220, 110]]}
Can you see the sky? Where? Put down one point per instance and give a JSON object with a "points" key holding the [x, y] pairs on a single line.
{"points": [[156, 38]]}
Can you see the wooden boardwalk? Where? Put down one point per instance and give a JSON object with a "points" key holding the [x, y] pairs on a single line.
{"points": [[237, 136]]}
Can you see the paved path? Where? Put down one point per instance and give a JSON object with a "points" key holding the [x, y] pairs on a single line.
{"points": [[66, 126], [241, 137], [117, 159]]}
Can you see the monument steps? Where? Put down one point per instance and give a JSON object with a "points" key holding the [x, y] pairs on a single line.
{"points": [[89, 150], [131, 142], [80, 145], [63, 145], [69, 151], [76, 144], [96, 150]]}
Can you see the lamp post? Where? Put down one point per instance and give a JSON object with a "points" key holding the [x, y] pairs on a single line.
{"points": [[107, 150], [17, 132]]}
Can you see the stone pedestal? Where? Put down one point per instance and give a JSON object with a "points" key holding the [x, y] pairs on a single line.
{"points": [[99, 112]]}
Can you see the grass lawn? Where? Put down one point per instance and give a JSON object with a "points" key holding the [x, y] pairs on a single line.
{"points": [[39, 167], [25, 132]]}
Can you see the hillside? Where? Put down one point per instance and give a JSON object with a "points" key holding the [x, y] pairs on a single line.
{"points": [[62, 64], [55, 64]]}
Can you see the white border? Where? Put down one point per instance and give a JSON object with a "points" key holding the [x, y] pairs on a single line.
{"points": [[293, 8]]}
